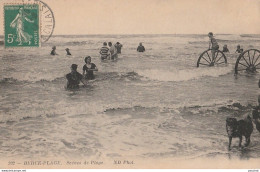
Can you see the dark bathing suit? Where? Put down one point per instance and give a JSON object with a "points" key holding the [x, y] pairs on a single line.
{"points": [[89, 74], [73, 80], [225, 50], [118, 47], [53, 52], [140, 48]]}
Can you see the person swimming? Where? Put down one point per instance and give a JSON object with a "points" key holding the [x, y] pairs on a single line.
{"points": [[53, 51], [68, 51], [89, 68], [140, 48], [239, 50], [74, 78], [104, 51], [225, 49], [213, 45]]}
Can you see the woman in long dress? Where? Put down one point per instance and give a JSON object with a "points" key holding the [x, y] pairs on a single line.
{"points": [[18, 23]]}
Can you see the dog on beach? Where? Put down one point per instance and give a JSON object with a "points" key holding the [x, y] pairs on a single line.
{"points": [[238, 129]]}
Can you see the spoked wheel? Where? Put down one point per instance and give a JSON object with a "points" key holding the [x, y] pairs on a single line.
{"points": [[206, 59], [248, 61]]}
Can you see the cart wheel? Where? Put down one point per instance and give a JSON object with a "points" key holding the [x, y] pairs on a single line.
{"points": [[248, 61], [205, 58]]}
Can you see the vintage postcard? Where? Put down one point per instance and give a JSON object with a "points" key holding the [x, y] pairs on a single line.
{"points": [[127, 84]]}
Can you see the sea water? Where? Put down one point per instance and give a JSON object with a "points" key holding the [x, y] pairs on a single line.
{"points": [[155, 104]]}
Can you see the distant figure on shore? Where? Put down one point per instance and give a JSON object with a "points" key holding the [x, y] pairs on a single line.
{"points": [[213, 45], [89, 68], [53, 51], [104, 51], [113, 51], [140, 48], [68, 51], [225, 49], [239, 50], [74, 78], [118, 47]]}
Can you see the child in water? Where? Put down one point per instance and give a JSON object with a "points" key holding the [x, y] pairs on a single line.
{"points": [[213, 45]]}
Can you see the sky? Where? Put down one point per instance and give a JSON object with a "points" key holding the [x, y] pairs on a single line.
{"points": [[152, 16]]}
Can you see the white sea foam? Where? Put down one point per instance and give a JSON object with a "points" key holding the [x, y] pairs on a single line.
{"points": [[184, 75], [126, 104], [44, 110]]}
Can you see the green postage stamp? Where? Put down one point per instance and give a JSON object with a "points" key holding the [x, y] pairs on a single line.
{"points": [[21, 24]]}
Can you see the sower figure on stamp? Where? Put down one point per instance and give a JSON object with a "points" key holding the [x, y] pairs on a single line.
{"points": [[18, 23]]}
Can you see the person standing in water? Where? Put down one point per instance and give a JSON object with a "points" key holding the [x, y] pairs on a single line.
{"points": [[53, 51], [74, 78], [213, 45], [225, 49], [140, 48], [89, 68], [104, 51], [118, 47], [113, 51], [239, 50], [68, 51]]}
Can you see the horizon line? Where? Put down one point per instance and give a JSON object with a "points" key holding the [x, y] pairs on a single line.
{"points": [[157, 34]]}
